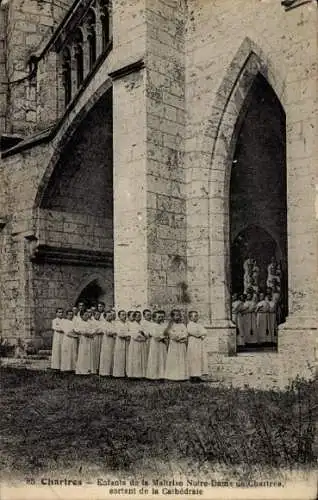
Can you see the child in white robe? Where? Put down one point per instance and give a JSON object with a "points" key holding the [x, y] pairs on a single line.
{"points": [[176, 364], [69, 344], [85, 359], [196, 353], [241, 320], [107, 347], [248, 310], [272, 319], [97, 328], [57, 327], [236, 310], [122, 336], [157, 349], [136, 363], [144, 328], [262, 317], [147, 325], [101, 308], [76, 317]]}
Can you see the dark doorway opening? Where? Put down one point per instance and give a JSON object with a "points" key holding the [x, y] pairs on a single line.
{"points": [[91, 294], [258, 207]]}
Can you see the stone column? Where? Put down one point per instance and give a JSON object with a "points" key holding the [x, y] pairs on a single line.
{"points": [[130, 193]]}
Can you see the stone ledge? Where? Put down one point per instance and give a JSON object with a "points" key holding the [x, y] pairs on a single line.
{"points": [[25, 363], [127, 69]]}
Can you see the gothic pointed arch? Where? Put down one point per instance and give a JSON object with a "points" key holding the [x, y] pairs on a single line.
{"points": [[220, 138], [63, 135]]}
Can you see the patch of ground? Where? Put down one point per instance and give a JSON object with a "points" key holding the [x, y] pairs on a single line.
{"points": [[52, 422]]}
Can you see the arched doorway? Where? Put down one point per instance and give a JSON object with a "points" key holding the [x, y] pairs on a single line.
{"points": [[258, 195], [75, 222]]}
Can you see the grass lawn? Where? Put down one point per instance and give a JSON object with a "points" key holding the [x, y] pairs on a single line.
{"points": [[93, 426]]}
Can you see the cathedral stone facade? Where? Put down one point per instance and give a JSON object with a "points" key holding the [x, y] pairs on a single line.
{"points": [[141, 142]]}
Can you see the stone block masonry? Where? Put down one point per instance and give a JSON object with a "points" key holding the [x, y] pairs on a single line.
{"points": [[165, 153], [3, 70], [29, 24]]}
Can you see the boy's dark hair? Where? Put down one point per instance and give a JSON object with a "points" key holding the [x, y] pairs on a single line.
{"points": [[191, 312], [146, 310], [121, 311], [174, 311], [59, 309], [69, 311]]}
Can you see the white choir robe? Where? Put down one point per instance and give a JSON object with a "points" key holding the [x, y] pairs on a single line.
{"points": [[197, 353], [237, 319], [146, 328], [57, 327], [137, 360], [106, 359], [276, 299], [241, 328], [262, 320], [97, 329], [121, 346], [157, 353], [176, 363], [249, 322], [85, 359], [75, 320], [243, 322], [69, 346], [252, 309]]}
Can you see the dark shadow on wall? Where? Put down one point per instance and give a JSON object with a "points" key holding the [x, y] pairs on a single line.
{"points": [[82, 181]]}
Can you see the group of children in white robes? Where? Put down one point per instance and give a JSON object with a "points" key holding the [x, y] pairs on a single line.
{"points": [[256, 317], [90, 341]]}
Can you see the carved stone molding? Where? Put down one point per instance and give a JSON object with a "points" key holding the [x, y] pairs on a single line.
{"points": [[46, 254], [292, 4]]}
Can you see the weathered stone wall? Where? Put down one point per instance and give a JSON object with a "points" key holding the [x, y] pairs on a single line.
{"points": [[28, 24], [3, 71], [74, 230]]}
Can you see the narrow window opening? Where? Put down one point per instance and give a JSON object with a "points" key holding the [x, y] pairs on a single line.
{"points": [[79, 65], [67, 76], [105, 22], [91, 38]]}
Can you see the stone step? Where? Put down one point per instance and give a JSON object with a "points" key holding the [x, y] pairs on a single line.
{"points": [[45, 352], [29, 364], [38, 356]]}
